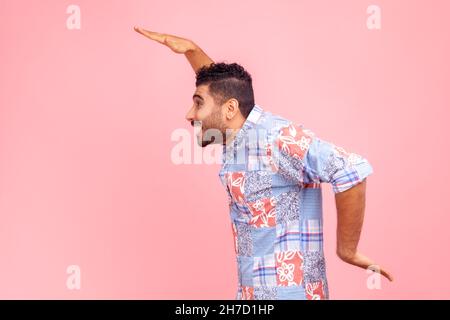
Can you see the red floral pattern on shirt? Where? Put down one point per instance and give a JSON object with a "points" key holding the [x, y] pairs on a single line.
{"points": [[247, 293], [294, 141], [315, 291], [263, 212], [235, 183], [289, 266]]}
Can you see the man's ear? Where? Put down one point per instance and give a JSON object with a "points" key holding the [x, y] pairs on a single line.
{"points": [[232, 108]]}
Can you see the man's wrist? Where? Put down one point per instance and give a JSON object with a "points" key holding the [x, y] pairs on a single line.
{"points": [[193, 47]]}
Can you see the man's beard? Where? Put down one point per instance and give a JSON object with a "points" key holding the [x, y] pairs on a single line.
{"points": [[213, 131]]}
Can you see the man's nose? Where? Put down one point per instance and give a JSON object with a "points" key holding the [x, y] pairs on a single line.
{"points": [[190, 116]]}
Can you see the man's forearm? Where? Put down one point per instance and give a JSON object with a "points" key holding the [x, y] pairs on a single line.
{"points": [[198, 58], [350, 206]]}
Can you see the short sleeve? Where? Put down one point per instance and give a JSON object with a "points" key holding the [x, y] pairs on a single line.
{"points": [[326, 162]]}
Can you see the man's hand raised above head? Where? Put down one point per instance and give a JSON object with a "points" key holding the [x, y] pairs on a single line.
{"points": [[176, 44], [195, 55]]}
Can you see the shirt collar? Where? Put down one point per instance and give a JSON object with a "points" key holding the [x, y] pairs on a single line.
{"points": [[230, 148]]}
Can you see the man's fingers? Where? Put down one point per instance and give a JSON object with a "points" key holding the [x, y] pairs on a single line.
{"points": [[367, 263], [387, 275], [376, 268], [151, 35]]}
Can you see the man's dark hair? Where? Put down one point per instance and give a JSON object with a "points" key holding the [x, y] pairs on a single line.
{"points": [[228, 81]]}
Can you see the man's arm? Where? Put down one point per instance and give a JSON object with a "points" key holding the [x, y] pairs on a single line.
{"points": [[350, 206], [347, 172], [198, 58], [195, 55]]}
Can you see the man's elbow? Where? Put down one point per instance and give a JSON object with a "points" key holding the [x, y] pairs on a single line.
{"points": [[345, 254]]}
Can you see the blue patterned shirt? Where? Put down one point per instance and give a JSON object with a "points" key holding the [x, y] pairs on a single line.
{"points": [[272, 171]]}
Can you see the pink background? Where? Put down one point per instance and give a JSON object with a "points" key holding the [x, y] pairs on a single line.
{"points": [[86, 117]]}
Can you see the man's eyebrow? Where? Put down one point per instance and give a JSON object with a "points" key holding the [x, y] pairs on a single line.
{"points": [[197, 96]]}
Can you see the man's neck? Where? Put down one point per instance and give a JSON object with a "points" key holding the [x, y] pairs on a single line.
{"points": [[233, 130]]}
